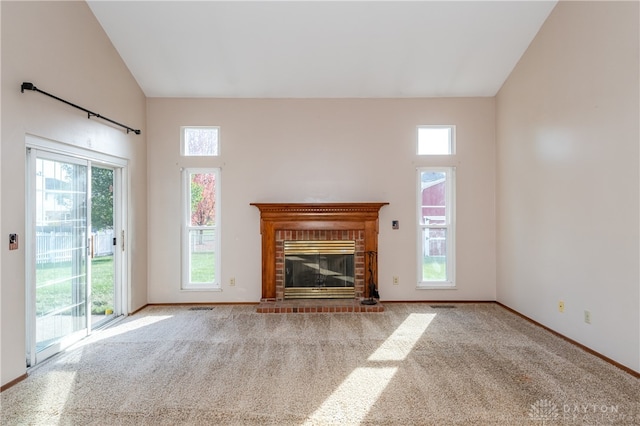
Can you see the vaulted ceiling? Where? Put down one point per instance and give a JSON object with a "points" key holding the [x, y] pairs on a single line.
{"points": [[311, 49]]}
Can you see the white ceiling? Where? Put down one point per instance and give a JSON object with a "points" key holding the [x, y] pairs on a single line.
{"points": [[326, 49]]}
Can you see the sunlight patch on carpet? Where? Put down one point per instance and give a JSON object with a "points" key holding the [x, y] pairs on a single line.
{"points": [[398, 346], [52, 397], [351, 402], [122, 328], [353, 399]]}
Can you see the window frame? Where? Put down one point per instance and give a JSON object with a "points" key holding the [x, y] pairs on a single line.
{"points": [[187, 227], [183, 141], [449, 226], [452, 139]]}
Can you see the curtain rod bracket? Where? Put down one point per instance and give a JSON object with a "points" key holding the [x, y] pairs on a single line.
{"points": [[31, 86]]}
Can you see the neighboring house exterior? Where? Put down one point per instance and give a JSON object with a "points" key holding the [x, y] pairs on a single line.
{"points": [[433, 210]]}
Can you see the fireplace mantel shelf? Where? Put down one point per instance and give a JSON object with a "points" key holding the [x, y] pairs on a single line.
{"points": [[304, 208], [315, 217]]}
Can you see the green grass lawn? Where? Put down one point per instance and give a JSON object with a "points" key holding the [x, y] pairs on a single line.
{"points": [[434, 268], [54, 291], [102, 284], [54, 288], [203, 267]]}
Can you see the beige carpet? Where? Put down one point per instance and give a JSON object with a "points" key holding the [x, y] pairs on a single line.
{"points": [[414, 364]]}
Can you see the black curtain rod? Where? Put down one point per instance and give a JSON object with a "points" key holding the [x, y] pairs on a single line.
{"points": [[30, 86]]}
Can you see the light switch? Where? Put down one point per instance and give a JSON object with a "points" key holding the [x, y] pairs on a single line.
{"points": [[13, 241]]}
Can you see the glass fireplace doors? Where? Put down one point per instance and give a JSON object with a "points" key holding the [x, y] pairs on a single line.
{"points": [[319, 269]]}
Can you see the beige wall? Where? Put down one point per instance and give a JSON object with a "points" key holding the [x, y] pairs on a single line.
{"points": [[60, 47], [568, 178], [566, 169], [322, 151]]}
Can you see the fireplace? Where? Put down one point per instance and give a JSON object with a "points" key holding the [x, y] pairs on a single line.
{"points": [[319, 269], [325, 243]]}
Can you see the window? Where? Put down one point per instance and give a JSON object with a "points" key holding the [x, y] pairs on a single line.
{"points": [[435, 202], [436, 140], [200, 141], [201, 229]]}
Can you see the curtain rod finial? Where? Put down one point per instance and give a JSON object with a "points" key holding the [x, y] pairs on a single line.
{"points": [[27, 86]]}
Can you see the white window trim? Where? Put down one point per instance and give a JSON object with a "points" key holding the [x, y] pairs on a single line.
{"points": [[183, 147], [452, 142], [186, 285], [450, 282]]}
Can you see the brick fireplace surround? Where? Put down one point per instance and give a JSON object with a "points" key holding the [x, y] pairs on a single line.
{"points": [[316, 222]]}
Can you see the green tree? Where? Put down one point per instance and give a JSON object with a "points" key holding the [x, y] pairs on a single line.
{"points": [[203, 196], [101, 198]]}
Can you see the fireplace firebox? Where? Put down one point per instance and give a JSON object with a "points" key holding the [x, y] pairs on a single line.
{"points": [[319, 269], [285, 226]]}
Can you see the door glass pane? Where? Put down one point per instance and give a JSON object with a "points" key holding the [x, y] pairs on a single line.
{"points": [[61, 241], [202, 256], [102, 247]]}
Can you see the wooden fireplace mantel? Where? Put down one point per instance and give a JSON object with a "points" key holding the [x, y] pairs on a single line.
{"points": [[314, 216]]}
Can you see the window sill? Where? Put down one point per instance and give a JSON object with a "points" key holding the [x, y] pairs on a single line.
{"points": [[191, 289], [437, 287]]}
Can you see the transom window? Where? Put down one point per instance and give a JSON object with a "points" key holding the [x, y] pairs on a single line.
{"points": [[436, 140], [200, 141]]}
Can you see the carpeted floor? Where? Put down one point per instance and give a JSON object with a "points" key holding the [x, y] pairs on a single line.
{"points": [[414, 364]]}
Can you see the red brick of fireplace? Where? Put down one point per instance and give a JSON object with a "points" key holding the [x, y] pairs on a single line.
{"points": [[283, 235], [317, 221]]}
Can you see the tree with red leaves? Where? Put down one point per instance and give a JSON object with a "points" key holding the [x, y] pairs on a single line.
{"points": [[203, 197]]}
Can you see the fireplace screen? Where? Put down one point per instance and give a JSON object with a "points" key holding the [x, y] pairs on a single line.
{"points": [[319, 269]]}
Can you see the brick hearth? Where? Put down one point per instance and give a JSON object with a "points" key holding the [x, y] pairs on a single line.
{"points": [[317, 306]]}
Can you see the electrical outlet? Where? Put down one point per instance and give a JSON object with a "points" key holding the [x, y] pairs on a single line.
{"points": [[232, 282], [587, 317], [396, 280], [561, 306]]}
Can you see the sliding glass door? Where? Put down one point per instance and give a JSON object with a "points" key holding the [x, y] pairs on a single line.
{"points": [[74, 266], [61, 263]]}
